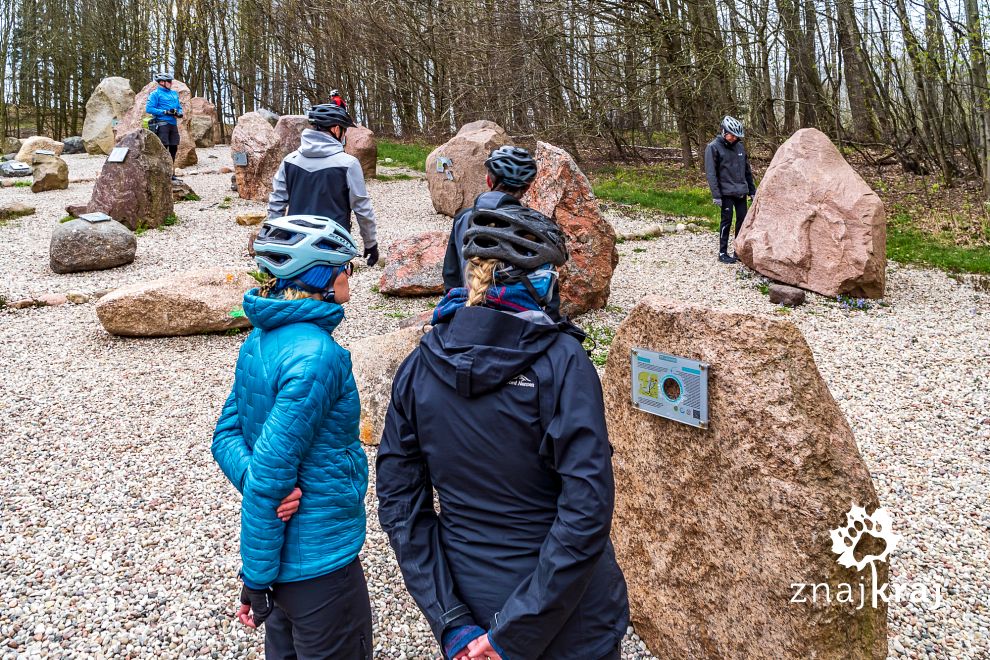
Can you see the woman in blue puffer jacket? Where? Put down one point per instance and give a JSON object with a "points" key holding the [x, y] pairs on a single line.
{"points": [[290, 426]]}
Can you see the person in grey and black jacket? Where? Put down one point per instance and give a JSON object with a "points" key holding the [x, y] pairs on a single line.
{"points": [[730, 180], [318, 178]]}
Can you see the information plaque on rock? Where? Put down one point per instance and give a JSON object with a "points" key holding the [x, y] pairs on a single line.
{"points": [[117, 155], [670, 386], [95, 217], [240, 158]]}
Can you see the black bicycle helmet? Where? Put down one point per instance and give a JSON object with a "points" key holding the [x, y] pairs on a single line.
{"points": [[163, 77], [515, 235], [327, 115], [512, 166]]}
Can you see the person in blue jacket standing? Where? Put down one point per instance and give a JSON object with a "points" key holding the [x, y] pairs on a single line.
{"points": [[165, 110], [499, 411], [287, 439]]}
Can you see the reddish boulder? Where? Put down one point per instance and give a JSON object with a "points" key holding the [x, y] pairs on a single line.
{"points": [[562, 192], [815, 223], [133, 120], [713, 527], [414, 266], [361, 144], [461, 175], [265, 148], [138, 191]]}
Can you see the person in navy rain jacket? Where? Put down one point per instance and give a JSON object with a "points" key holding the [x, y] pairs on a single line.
{"points": [[287, 439], [499, 411], [165, 110]]}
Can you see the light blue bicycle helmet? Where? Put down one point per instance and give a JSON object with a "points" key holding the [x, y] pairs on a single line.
{"points": [[288, 246]]}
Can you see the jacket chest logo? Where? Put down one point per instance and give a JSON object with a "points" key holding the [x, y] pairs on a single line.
{"points": [[521, 381]]}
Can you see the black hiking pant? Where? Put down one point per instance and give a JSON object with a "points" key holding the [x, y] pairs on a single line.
{"points": [[325, 617], [728, 205], [169, 135]]}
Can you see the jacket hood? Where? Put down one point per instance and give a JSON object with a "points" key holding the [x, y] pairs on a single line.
{"points": [[481, 349], [317, 144], [271, 313]]}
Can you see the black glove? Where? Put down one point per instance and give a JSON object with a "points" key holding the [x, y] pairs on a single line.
{"points": [[261, 601], [371, 255], [170, 112]]}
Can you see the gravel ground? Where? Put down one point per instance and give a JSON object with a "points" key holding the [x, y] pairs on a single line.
{"points": [[118, 535]]}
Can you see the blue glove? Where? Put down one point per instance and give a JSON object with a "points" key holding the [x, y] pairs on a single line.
{"points": [[718, 202]]}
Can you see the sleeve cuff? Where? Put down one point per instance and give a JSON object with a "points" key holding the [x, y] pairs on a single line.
{"points": [[498, 649], [251, 585], [456, 639]]}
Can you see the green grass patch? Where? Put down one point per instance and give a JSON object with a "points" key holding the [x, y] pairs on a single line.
{"points": [[141, 229], [650, 188], [22, 184], [393, 177], [908, 245], [599, 342], [374, 288], [67, 218], [170, 221], [190, 197], [404, 154], [398, 315]]}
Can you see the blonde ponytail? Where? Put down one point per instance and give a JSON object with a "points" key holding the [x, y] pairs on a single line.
{"points": [[481, 275]]}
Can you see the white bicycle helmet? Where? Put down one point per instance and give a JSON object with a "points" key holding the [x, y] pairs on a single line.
{"points": [[734, 126], [288, 246]]}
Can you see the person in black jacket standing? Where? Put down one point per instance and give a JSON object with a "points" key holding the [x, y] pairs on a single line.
{"points": [[511, 171], [518, 563], [730, 180]]}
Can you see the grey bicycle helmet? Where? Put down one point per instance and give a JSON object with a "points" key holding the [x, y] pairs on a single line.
{"points": [[163, 76], [734, 126], [515, 235], [287, 246], [327, 115], [512, 166]]}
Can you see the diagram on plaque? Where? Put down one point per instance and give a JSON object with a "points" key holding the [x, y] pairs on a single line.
{"points": [[670, 386]]}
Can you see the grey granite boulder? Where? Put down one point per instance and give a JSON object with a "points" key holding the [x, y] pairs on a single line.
{"points": [[78, 246]]}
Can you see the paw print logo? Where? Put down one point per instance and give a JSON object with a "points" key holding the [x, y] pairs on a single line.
{"points": [[871, 530]]}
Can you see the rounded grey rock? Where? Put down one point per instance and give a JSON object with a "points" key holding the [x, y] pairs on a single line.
{"points": [[78, 246]]}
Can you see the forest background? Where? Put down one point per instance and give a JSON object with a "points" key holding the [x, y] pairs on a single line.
{"points": [[634, 88]]}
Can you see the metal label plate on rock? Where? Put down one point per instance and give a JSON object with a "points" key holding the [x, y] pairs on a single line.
{"points": [[44, 152], [240, 159], [670, 386], [117, 155], [95, 217]]}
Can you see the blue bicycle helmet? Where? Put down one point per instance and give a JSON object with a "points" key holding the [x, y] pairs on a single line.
{"points": [[512, 166], [290, 245]]}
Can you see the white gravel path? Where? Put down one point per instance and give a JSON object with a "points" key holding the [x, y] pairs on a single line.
{"points": [[118, 534]]}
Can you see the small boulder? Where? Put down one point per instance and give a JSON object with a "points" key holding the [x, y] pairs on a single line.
{"points": [[37, 143], [15, 210], [10, 145], [563, 193], [251, 218], [461, 165], [713, 526], [107, 105], [75, 210], [50, 173], [781, 294], [362, 145], [414, 266], [77, 297], [138, 191], [181, 192], [15, 168], [190, 303], [815, 223], [73, 145], [203, 122], [79, 246], [374, 361], [186, 155]]}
